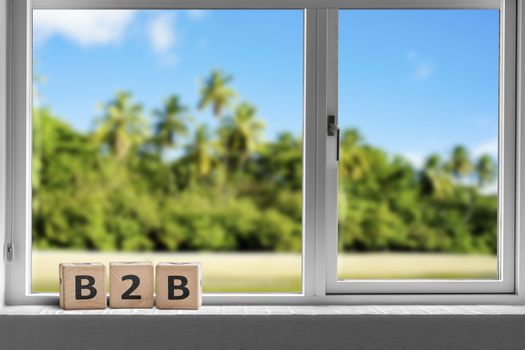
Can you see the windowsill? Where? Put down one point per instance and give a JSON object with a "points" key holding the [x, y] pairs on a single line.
{"points": [[280, 310], [366, 327]]}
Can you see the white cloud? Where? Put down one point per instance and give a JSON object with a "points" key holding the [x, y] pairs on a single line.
{"points": [[421, 69], [84, 27], [162, 32], [489, 189], [489, 147], [197, 15], [416, 159]]}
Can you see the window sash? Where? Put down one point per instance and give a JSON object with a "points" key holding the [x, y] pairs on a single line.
{"points": [[319, 100], [506, 182]]}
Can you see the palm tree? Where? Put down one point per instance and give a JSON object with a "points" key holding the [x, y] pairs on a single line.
{"points": [[486, 170], [435, 182], [199, 152], [122, 125], [241, 134], [433, 162], [460, 164], [170, 123], [216, 93]]}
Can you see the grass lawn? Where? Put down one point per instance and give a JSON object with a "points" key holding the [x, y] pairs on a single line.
{"points": [[276, 272]]}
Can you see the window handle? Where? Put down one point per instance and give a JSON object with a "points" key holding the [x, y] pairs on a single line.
{"points": [[338, 146], [333, 130]]}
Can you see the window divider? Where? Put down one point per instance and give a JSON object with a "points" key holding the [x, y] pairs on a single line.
{"points": [[311, 257]]}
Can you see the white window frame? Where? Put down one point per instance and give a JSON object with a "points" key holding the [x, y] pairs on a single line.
{"points": [[320, 285], [506, 182]]}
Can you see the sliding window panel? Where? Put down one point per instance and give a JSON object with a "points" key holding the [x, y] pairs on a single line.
{"points": [[418, 194]]}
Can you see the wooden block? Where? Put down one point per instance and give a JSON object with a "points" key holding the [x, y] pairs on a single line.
{"points": [[82, 286], [131, 285], [178, 286]]}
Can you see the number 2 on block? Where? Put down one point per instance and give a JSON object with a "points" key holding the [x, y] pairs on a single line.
{"points": [[135, 282]]}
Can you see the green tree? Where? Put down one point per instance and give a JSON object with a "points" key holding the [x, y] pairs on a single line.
{"points": [[241, 134], [486, 170], [216, 92], [460, 164], [83, 200], [435, 182], [199, 152], [280, 162], [122, 126], [434, 162], [171, 123]]}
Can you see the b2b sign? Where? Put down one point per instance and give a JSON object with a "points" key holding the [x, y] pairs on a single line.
{"points": [[178, 285]]}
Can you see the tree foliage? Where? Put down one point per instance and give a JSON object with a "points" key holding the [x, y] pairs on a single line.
{"points": [[162, 182]]}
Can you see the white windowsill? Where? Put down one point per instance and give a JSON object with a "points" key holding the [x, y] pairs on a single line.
{"points": [[364, 327], [280, 310]]}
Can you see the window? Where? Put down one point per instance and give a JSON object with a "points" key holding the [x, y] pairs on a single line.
{"points": [[418, 99], [172, 135], [418, 190], [303, 154]]}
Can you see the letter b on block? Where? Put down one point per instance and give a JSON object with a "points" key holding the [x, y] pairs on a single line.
{"points": [[82, 286], [178, 286], [89, 286]]}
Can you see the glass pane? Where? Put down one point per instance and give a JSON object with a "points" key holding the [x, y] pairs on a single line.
{"points": [[418, 108], [169, 136]]}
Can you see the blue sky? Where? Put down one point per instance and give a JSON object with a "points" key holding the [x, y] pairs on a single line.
{"points": [[159, 53], [413, 82], [417, 82]]}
